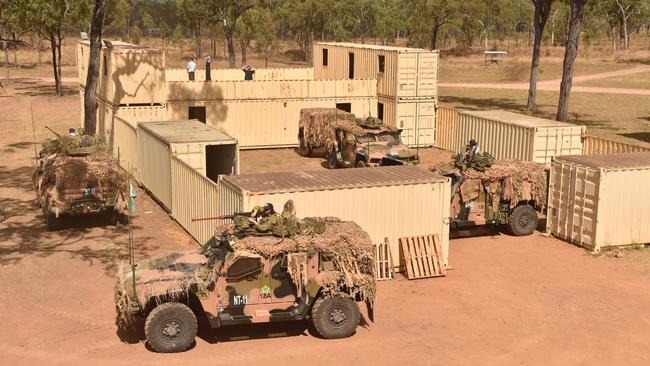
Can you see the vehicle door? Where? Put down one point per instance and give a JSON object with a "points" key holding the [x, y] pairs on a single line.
{"points": [[282, 290], [239, 286]]}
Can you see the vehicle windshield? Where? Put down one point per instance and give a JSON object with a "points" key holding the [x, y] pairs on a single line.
{"points": [[364, 139], [387, 137]]}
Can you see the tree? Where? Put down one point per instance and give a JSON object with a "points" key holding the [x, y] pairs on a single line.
{"points": [[3, 36], [227, 12], [441, 12], [266, 38], [247, 28], [50, 18], [625, 10], [570, 54], [90, 103], [540, 17], [192, 16]]}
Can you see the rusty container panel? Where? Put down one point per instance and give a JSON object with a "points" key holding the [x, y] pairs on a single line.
{"points": [[508, 135], [600, 201], [390, 202]]}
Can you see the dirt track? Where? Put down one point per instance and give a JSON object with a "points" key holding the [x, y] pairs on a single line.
{"points": [[508, 301], [554, 85]]}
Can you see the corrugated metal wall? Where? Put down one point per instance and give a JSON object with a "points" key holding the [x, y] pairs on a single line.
{"points": [[386, 211], [599, 208], [135, 115], [598, 145], [417, 75], [124, 139], [265, 123], [573, 203], [193, 195], [445, 127], [136, 77], [417, 119], [218, 74], [556, 141], [155, 167], [252, 90]]}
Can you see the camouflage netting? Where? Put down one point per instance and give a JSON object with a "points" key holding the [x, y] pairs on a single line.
{"points": [[65, 166], [346, 244], [320, 124]]}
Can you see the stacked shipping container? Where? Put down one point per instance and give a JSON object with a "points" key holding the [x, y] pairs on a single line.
{"points": [[406, 82]]}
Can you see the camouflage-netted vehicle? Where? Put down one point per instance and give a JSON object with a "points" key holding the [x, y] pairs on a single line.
{"points": [[347, 141], [486, 192], [75, 176], [260, 269]]}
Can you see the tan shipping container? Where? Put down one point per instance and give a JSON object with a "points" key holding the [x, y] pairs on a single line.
{"points": [[508, 135], [124, 144], [388, 202], [289, 73], [600, 201], [416, 119], [208, 151], [264, 123], [401, 72], [129, 74], [271, 89]]}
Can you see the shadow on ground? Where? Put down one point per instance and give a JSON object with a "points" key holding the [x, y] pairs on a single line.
{"points": [[641, 136]]}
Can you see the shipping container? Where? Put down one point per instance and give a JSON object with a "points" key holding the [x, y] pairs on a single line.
{"points": [[508, 135], [138, 114], [600, 201], [271, 89], [264, 123], [129, 74], [388, 202], [416, 119], [400, 72], [124, 145], [445, 127], [289, 73], [599, 145]]}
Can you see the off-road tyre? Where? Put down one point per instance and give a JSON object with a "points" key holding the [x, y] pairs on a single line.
{"points": [[523, 220], [335, 317], [171, 327], [332, 162], [303, 150], [361, 164], [54, 223]]}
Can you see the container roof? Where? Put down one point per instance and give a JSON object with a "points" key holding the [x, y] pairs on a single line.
{"points": [[517, 119], [638, 160], [375, 47], [333, 179], [174, 132]]}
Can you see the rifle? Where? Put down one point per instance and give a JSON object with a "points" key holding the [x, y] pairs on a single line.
{"points": [[54, 132], [264, 211]]}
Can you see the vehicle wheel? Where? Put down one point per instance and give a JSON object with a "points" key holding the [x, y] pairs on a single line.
{"points": [[335, 317], [332, 163], [54, 223], [523, 220], [303, 150], [361, 164], [171, 327], [118, 218]]}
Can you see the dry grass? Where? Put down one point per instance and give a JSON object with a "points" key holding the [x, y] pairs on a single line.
{"points": [[621, 117], [636, 81]]}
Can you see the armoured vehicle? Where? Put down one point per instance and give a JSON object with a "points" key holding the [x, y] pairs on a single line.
{"points": [[492, 194], [260, 269], [347, 141], [71, 180]]}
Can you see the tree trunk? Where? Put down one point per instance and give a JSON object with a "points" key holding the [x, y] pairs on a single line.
{"points": [[266, 62], [626, 36], [232, 58], [570, 54], [434, 35], [6, 52], [57, 81], [13, 36], [90, 103], [540, 17], [59, 91], [244, 51], [40, 56]]}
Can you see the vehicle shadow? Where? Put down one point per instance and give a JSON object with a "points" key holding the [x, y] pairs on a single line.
{"points": [[253, 331]]}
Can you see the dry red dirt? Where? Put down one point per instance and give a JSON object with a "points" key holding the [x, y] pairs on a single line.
{"points": [[508, 301]]}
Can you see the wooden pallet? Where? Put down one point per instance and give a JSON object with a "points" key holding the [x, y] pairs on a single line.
{"points": [[422, 256], [383, 261]]}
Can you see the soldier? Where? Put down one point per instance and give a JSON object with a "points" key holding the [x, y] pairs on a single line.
{"points": [[472, 149]]}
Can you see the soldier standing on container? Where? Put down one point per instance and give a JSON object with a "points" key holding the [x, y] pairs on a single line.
{"points": [[191, 68], [208, 61]]}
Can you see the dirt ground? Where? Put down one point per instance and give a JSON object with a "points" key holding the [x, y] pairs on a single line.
{"points": [[508, 301]]}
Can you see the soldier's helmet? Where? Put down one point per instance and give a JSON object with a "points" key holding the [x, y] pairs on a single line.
{"points": [[472, 142]]}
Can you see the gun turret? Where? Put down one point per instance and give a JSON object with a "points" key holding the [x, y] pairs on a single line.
{"points": [[257, 212]]}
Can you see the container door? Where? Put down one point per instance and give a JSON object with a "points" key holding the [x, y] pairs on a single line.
{"points": [[426, 124], [407, 75], [406, 117], [426, 74]]}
